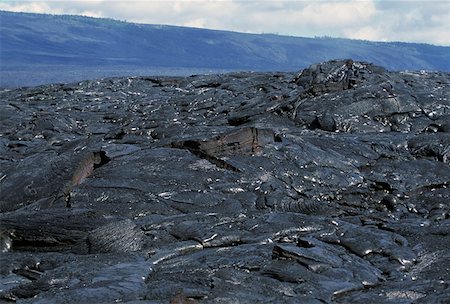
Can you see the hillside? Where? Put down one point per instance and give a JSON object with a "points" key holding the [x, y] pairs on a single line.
{"points": [[37, 48]]}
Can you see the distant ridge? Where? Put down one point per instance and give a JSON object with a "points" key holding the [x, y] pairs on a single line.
{"points": [[40, 48]]}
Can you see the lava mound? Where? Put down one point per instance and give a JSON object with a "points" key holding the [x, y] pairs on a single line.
{"points": [[325, 186]]}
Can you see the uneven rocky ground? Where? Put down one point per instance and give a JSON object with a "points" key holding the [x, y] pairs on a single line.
{"points": [[330, 186]]}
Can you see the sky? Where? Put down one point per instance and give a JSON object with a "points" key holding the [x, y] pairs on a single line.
{"points": [[426, 21]]}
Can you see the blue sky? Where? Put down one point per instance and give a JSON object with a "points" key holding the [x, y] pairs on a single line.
{"points": [[424, 21]]}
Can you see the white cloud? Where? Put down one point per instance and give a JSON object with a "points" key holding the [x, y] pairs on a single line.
{"points": [[411, 21], [54, 7], [33, 7], [414, 21]]}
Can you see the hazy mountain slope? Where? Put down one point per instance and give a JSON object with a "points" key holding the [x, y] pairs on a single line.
{"points": [[32, 42]]}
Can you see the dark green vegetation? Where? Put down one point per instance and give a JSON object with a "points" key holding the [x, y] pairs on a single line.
{"points": [[38, 49]]}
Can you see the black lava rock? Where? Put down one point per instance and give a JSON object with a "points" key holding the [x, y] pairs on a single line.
{"points": [[326, 186]]}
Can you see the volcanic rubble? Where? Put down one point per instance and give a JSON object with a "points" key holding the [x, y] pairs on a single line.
{"points": [[327, 186]]}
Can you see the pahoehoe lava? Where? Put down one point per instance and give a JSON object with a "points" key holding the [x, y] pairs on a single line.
{"points": [[325, 186]]}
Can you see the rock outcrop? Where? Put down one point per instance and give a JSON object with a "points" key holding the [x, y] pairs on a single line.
{"points": [[326, 186]]}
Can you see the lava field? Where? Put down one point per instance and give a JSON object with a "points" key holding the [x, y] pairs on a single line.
{"points": [[330, 185]]}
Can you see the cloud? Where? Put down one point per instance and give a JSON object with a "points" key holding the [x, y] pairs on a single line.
{"points": [[54, 7], [32, 7], [411, 21]]}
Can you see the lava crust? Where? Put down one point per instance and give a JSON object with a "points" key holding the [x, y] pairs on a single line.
{"points": [[326, 186]]}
